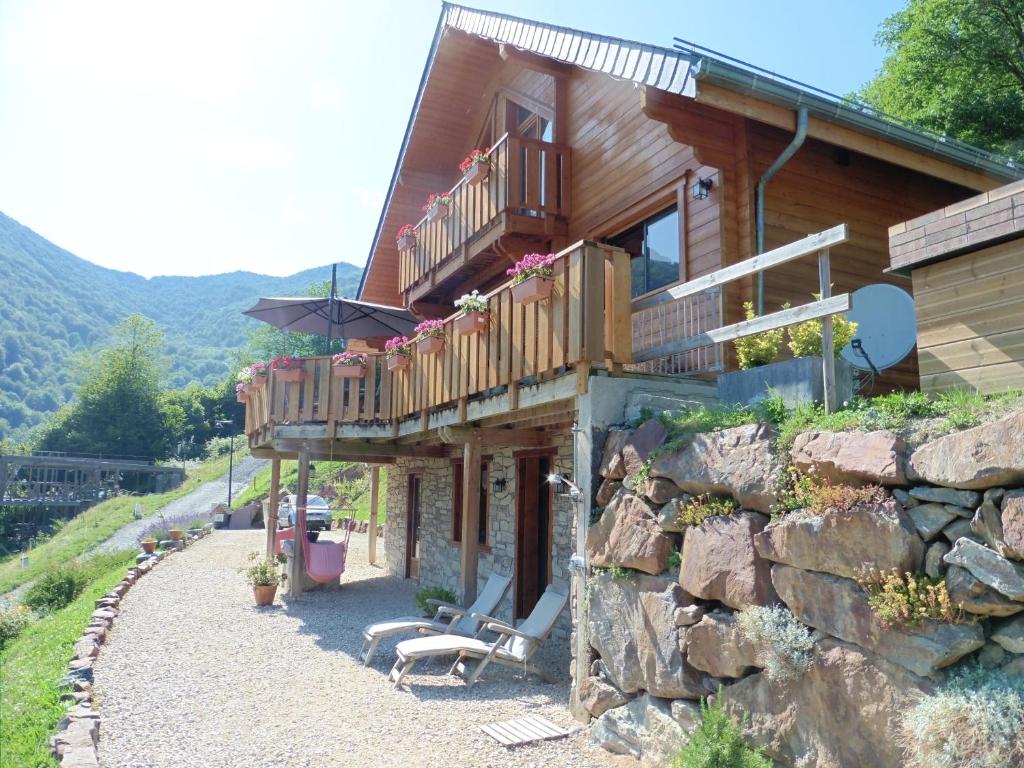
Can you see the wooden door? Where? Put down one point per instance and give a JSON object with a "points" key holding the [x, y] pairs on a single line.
{"points": [[533, 531], [412, 528]]}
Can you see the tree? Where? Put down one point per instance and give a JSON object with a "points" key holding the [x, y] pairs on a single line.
{"points": [[957, 67]]}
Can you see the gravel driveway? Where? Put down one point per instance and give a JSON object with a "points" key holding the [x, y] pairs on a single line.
{"points": [[194, 675], [200, 500]]}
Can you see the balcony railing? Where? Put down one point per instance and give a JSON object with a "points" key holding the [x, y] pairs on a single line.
{"points": [[585, 322], [528, 178]]}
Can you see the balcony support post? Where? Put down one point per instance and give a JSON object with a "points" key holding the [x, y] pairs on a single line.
{"points": [[270, 512], [297, 577], [470, 517], [374, 497]]}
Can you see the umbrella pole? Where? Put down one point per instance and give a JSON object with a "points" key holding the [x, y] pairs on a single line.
{"points": [[330, 306]]}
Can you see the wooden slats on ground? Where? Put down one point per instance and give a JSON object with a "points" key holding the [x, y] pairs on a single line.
{"points": [[524, 730]]}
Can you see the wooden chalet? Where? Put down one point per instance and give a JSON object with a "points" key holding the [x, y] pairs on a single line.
{"points": [[644, 168]]}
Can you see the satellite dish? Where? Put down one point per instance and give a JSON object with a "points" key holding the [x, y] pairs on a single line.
{"points": [[886, 327]]}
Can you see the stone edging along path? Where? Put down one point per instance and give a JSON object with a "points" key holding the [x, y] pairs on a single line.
{"points": [[75, 743]]}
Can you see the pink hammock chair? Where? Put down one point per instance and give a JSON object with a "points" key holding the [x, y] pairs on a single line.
{"points": [[325, 560]]}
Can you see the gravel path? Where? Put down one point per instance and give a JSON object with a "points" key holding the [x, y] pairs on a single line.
{"points": [[200, 500], [194, 675]]}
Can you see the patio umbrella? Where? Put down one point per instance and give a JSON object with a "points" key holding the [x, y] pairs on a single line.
{"points": [[345, 318]]}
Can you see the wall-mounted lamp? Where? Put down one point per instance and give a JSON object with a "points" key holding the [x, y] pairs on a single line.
{"points": [[565, 487], [701, 189], [499, 484]]}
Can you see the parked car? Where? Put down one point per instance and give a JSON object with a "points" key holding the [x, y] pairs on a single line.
{"points": [[318, 514]]}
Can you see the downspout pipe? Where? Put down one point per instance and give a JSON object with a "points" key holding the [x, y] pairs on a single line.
{"points": [[781, 160]]}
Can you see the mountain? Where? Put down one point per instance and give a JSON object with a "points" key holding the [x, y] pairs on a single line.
{"points": [[54, 304]]}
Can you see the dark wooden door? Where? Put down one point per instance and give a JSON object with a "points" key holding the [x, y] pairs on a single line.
{"points": [[412, 528], [533, 532]]}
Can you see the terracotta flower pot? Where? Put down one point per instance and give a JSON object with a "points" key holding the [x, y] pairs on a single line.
{"points": [[430, 345], [472, 322], [437, 211], [241, 396], [395, 362], [406, 242], [477, 173], [149, 547], [258, 381], [175, 534], [295, 375], [265, 595], [350, 371], [532, 289]]}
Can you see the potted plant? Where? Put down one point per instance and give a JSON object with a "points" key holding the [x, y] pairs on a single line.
{"points": [[406, 238], [240, 392], [258, 372], [437, 205], [148, 545], [288, 369], [532, 277], [430, 337], [476, 167], [349, 365], [474, 315], [263, 577], [175, 533], [397, 350]]}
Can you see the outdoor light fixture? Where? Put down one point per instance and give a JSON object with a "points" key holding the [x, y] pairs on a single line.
{"points": [[500, 484], [701, 189], [560, 481]]}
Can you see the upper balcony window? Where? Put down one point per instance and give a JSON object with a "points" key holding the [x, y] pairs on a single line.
{"points": [[653, 246]]}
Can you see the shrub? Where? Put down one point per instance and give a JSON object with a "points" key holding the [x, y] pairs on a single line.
{"points": [[57, 588], [702, 507], [262, 572], [782, 644], [13, 619], [805, 338], [907, 599], [760, 348], [433, 593], [718, 743], [974, 720]]}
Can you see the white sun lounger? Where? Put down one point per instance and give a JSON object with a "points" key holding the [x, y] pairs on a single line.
{"points": [[461, 623], [514, 647]]}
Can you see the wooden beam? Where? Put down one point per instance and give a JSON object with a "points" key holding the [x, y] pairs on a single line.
{"points": [[298, 572], [374, 495], [532, 61], [470, 554], [495, 437], [356, 450], [841, 136], [780, 319], [272, 503], [808, 245]]}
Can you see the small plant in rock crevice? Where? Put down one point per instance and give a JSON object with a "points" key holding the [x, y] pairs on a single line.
{"points": [[797, 491], [615, 571], [974, 720], [674, 559], [718, 742], [906, 599], [700, 508], [783, 645]]}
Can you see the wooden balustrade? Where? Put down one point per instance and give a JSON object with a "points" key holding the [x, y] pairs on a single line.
{"points": [[528, 178], [585, 322]]}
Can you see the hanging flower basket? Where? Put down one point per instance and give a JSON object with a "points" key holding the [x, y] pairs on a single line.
{"points": [[532, 289], [437, 211], [349, 365], [259, 380], [241, 397], [437, 205], [397, 362], [291, 375], [476, 167], [406, 238], [288, 369], [430, 345], [472, 322], [349, 371]]}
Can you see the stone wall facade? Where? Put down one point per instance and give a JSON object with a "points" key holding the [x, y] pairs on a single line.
{"points": [[440, 555]]}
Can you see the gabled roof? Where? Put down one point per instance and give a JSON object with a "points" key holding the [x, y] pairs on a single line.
{"points": [[678, 72]]}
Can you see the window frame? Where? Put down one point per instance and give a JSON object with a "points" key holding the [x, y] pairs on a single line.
{"points": [[645, 223], [455, 537]]}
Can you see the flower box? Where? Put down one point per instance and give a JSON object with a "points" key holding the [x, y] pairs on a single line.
{"points": [[241, 396], [472, 322], [406, 242], [349, 371], [397, 362], [430, 345], [532, 289], [437, 211], [259, 381], [292, 375], [477, 173]]}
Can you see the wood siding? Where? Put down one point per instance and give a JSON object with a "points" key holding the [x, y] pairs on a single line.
{"points": [[970, 320]]}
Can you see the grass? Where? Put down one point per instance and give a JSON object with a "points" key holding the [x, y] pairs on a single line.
{"points": [[30, 667], [96, 525]]}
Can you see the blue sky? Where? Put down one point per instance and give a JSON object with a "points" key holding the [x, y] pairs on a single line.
{"points": [[202, 137]]}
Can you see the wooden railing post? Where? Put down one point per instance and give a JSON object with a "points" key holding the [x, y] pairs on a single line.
{"points": [[470, 517], [374, 497], [828, 358]]}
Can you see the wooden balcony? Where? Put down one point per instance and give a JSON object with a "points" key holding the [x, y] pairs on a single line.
{"points": [[526, 195], [585, 324]]}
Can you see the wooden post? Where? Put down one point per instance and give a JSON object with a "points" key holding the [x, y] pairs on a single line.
{"points": [[271, 504], [470, 516], [298, 574], [828, 358], [374, 494]]}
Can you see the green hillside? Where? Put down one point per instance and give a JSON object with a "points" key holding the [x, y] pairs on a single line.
{"points": [[54, 305]]}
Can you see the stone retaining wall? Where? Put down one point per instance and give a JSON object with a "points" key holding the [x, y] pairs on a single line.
{"points": [[666, 634]]}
